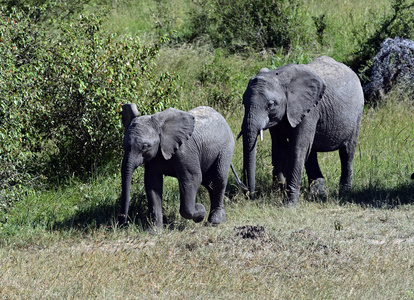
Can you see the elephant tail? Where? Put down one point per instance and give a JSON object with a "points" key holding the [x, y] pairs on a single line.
{"points": [[239, 182], [239, 135]]}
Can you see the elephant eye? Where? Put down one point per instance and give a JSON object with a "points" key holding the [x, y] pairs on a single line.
{"points": [[145, 147]]}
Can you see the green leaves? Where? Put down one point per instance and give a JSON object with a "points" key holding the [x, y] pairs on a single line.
{"points": [[62, 94], [244, 25]]}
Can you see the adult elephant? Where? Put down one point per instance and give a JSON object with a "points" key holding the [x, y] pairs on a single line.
{"points": [[196, 147], [309, 108]]}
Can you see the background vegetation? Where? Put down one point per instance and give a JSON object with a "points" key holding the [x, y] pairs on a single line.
{"points": [[66, 68]]}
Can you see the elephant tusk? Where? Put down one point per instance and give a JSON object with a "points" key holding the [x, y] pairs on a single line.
{"points": [[261, 135]]}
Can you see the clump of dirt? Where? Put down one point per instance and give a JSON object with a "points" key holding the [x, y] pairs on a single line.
{"points": [[309, 239], [251, 232]]}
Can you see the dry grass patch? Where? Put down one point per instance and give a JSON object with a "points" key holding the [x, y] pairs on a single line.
{"points": [[316, 251]]}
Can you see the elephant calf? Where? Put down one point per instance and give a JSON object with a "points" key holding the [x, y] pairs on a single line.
{"points": [[196, 147]]}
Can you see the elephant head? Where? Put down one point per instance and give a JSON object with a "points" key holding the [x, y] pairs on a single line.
{"points": [[286, 94], [149, 136]]}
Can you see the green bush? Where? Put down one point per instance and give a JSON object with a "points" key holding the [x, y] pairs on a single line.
{"points": [[20, 52], [62, 95], [246, 24], [220, 84]]}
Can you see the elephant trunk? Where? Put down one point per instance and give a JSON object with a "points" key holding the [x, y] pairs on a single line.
{"points": [[126, 174], [249, 158]]}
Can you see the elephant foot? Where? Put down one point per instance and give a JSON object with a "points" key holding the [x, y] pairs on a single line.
{"points": [[153, 230], [217, 216], [317, 188], [197, 214], [291, 203], [345, 190], [122, 220], [250, 195], [200, 213], [291, 199], [279, 185]]}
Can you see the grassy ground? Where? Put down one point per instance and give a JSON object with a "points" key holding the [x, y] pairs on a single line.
{"points": [[317, 251], [64, 243]]}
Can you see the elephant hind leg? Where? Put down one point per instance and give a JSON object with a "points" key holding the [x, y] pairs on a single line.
{"points": [[346, 155], [215, 181], [216, 186], [280, 150], [217, 213], [317, 185]]}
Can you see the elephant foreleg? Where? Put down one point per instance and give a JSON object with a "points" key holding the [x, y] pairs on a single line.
{"points": [[189, 209], [216, 191], [153, 188], [279, 159], [293, 184], [298, 152]]}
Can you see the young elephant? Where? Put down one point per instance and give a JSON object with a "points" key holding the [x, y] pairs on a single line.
{"points": [[196, 147]]}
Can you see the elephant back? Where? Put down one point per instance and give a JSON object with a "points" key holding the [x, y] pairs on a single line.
{"points": [[210, 127], [338, 77], [206, 117]]}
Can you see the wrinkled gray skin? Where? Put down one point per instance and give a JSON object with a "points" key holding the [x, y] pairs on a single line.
{"points": [[308, 109], [196, 147]]}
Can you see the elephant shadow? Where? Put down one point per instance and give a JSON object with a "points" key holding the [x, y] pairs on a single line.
{"points": [[379, 197], [105, 214]]}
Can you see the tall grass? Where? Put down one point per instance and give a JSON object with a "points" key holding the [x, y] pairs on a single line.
{"points": [[346, 22]]}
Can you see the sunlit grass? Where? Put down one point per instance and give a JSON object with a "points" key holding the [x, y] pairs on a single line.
{"points": [[303, 253]]}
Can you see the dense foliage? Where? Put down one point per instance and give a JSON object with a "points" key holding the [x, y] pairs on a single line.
{"points": [[62, 95], [244, 25]]}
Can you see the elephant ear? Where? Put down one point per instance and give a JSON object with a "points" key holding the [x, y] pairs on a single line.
{"points": [[129, 112], [304, 91], [176, 127]]}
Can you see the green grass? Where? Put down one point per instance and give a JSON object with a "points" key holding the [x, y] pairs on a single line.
{"points": [[64, 243], [345, 20]]}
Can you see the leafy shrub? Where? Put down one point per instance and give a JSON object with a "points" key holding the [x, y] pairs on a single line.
{"points": [[246, 24], [62, 94], [19, 88], [216, 77], [90, 75], [320, 24]]}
